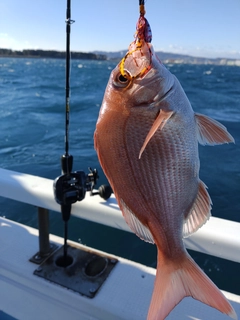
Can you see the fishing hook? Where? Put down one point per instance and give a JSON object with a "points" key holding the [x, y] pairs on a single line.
{"points": [[142, 34]]}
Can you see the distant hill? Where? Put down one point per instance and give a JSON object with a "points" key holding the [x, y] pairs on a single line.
{"points": [[165, 57], [30, 53], [168, 57]]}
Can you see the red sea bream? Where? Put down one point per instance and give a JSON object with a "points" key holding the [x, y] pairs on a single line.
{"points": [[146, 138]]}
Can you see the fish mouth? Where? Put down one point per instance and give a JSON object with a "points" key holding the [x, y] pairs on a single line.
{"points": [[137, 61]]}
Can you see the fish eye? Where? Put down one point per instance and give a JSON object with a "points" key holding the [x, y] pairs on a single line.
{"points": [[121, 81]]}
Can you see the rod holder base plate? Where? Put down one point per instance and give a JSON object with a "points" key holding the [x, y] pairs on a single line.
{"points": [[84, 271]]}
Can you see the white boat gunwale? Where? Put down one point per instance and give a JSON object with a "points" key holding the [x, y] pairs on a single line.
{"points": [[218, 237]]}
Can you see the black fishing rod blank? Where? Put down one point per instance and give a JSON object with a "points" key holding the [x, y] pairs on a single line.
{"points": [[71, 187], [66, 159]]}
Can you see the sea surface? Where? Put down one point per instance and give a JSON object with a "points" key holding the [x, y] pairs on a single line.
{"points": [[32, 122]]}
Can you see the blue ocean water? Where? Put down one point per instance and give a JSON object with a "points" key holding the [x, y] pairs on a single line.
{"points": [[32, 118]]}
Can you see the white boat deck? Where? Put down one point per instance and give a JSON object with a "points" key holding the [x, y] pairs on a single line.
{"points": [[125, 294], [127, 291]]}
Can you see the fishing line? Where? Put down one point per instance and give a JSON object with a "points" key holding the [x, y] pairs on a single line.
{"points": [[142, 7]]}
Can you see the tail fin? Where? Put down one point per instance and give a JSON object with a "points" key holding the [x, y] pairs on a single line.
{"points": [[174, 281]]}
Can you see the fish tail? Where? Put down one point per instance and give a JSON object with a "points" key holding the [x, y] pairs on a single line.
{"points": [[176, 280]]}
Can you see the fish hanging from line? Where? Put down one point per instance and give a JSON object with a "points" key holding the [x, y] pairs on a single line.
{"points": [[147, 139]]}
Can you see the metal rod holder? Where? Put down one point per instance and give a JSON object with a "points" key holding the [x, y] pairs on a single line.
{"points": [[45, 247], [43, 227]]}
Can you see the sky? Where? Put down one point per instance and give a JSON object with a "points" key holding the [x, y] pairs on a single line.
{"points": [[203, 28]]}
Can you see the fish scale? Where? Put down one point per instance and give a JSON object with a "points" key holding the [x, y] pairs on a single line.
{"points": [[164, 145]]}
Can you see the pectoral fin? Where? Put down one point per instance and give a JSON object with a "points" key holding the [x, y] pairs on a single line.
{"points": [[211, 132], [159, 122]]}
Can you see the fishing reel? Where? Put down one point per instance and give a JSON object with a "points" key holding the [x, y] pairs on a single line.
{"points": [[72, 187]]}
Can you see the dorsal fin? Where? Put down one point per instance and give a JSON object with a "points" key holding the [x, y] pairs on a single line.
{"points": [[200, 212], [136, 226], [211, 132]]}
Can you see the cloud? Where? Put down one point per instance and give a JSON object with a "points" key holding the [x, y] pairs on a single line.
{"points": [[7, 42]]}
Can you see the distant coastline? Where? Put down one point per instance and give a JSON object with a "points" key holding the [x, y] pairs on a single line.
{"points": [[31, 53], [166, 57], [174, 58]]}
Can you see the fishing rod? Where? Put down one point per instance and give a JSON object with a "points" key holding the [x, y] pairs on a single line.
{"points": [[67, 160], [71, 187], [62, 183]]}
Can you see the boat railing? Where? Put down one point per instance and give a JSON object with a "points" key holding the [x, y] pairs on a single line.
{"points": [[218, 237]]}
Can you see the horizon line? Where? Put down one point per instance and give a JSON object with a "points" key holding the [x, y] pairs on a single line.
{"points": [[118, 51]]}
